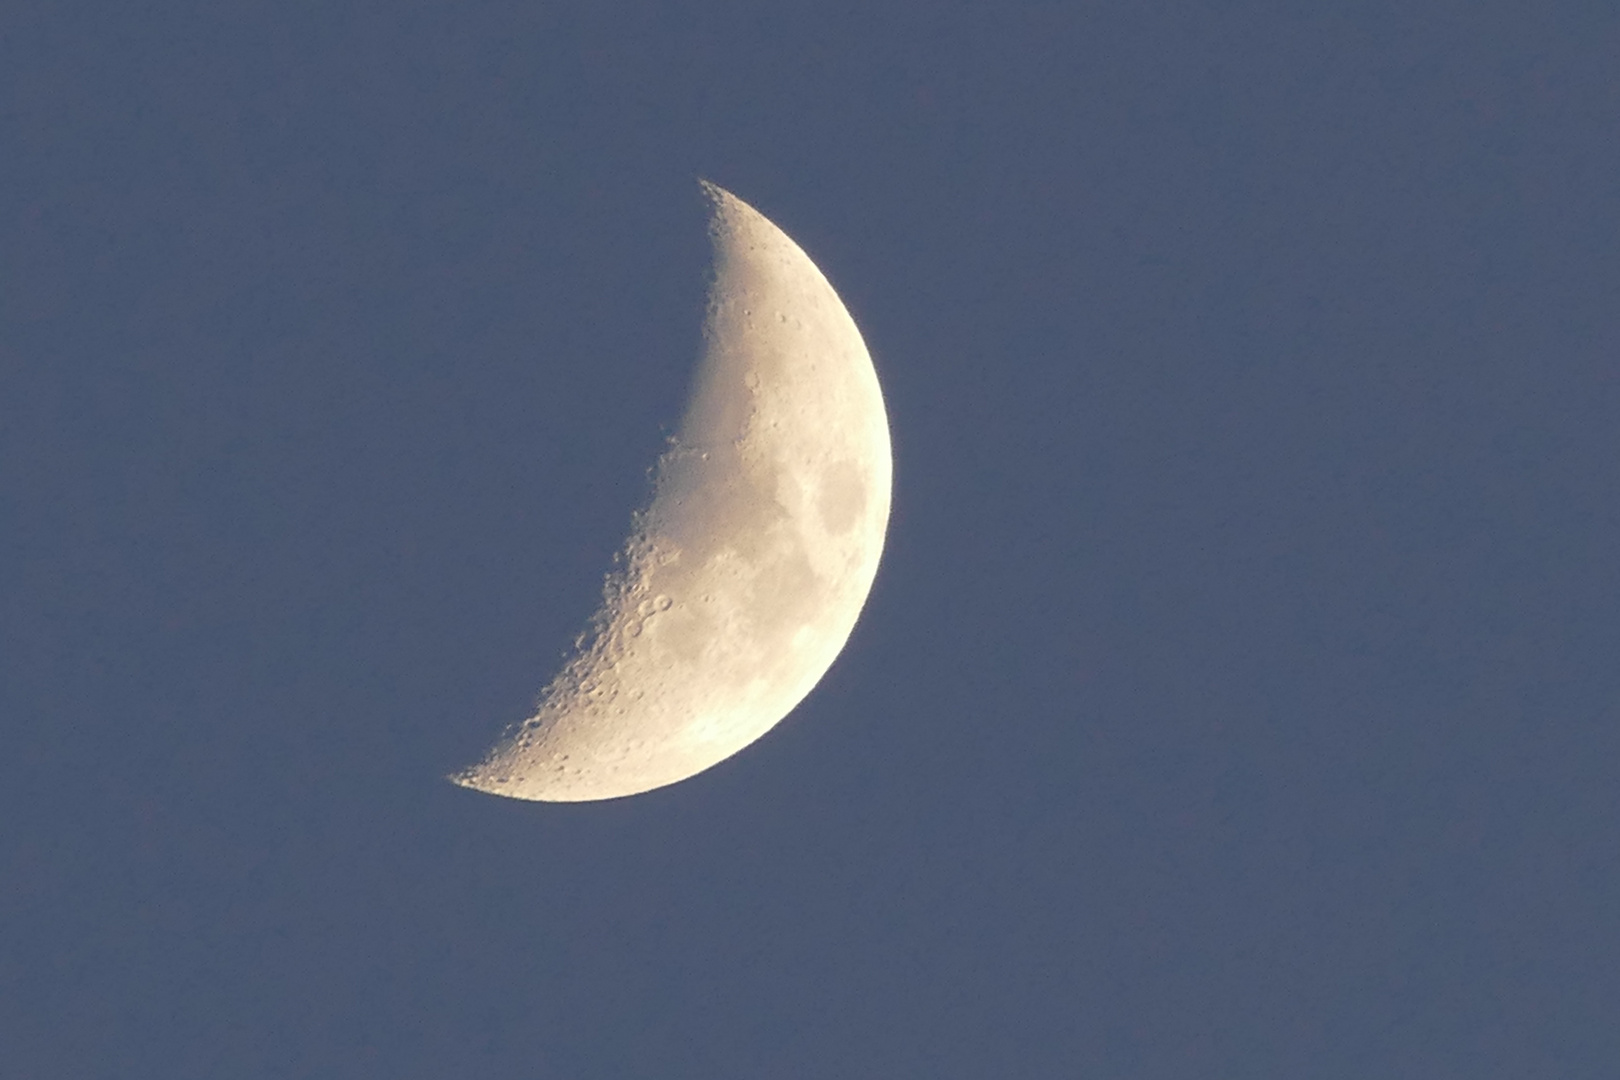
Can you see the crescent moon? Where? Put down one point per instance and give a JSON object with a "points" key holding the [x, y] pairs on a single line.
{"points": [[743, 578]]}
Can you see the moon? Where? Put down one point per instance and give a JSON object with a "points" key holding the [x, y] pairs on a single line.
{"points": [[742, 579]]}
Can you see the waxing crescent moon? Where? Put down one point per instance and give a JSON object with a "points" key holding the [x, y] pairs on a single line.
{"points": [[742, 580]]}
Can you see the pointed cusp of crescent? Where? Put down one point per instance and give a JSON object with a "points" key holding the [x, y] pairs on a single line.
{"points": [[742, 580]]}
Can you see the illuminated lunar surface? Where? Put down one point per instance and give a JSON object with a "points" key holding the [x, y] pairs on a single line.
{"points": [[743, 579]]}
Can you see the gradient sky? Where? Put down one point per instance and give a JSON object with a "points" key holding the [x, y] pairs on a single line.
{"points": [[1239, 693]]}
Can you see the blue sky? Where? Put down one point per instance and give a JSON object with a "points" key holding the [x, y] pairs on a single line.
{"points": [[1238, 694]]}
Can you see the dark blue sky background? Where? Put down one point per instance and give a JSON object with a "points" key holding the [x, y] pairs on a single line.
{"points": [[1239, 694]]}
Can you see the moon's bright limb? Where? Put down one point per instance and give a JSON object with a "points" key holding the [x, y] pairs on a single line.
{"points": [[741, 582]]}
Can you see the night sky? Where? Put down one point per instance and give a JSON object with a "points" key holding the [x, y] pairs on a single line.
{"points": [[1239, 696]]}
